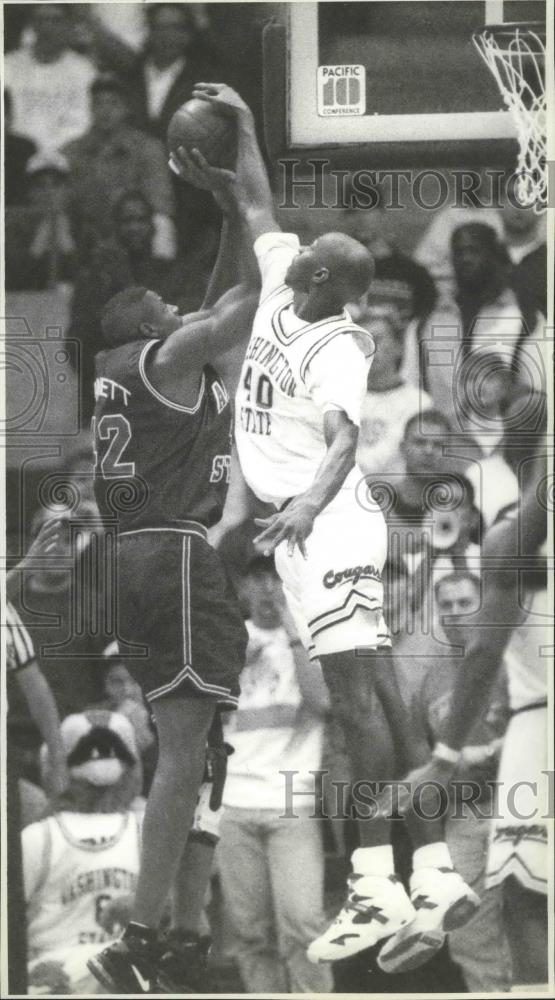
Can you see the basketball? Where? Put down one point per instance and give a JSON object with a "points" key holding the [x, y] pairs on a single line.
{"points": [[199, 125]]}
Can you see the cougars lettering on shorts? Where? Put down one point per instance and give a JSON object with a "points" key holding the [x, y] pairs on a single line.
{"points": [[292, 374]]}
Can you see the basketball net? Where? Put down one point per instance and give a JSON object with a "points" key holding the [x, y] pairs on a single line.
{"points": [[515, 55]]}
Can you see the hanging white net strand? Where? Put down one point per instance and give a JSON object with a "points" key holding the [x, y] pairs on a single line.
{"points": [[515, 55]]}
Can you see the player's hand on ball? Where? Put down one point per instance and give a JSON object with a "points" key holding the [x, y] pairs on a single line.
{"points": [[223, 97], [293, 524], [193, 168]]}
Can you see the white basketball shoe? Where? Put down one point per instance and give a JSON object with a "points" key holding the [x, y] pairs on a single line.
{"points": [[377, 907], [442, 901]]}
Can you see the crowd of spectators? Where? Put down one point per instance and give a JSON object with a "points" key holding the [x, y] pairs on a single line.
{"points": [[91, 206]]}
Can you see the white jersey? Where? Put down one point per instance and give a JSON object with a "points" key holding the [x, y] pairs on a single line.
{"points": [[74, 864], [292, 374]]}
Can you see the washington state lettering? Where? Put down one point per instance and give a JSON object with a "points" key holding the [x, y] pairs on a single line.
{"points": [[271, 358], [97, 881]]}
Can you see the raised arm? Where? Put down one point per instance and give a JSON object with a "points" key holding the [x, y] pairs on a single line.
{"points": [[235, 263], [200, 340], [253, 187]]}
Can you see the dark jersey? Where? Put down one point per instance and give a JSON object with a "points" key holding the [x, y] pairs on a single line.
{"points": [[157, 463]]}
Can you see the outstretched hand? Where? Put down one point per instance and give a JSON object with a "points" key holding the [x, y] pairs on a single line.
{"points": [[223, 97], [294, 525], [191, 166]]}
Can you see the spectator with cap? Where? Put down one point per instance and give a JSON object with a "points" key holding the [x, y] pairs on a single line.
{"points": [[40, 243], [48, 81], [113, 157]]}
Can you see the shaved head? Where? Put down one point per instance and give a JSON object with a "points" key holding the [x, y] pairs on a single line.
{"points": [[334, 265], [347, 261]]}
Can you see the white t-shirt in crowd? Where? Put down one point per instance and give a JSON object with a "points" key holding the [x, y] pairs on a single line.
{"points": [[382, 426], [51, 101], [267, 732]]}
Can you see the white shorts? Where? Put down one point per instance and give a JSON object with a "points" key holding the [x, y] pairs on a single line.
{"points": [[336, 594], [518, 844]]}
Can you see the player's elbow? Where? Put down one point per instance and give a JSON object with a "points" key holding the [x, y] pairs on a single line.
{"points": [[349, 442]]}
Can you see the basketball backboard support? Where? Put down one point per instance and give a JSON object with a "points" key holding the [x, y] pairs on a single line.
{"points": [[397, 80]]}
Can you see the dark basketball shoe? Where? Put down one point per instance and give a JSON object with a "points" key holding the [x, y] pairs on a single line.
{"points": [[129, 965], [183, 967]]}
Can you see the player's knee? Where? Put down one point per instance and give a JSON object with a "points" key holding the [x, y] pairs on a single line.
{"points": [[182, 768]]}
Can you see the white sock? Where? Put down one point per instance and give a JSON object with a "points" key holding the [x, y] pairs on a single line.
{"points": [[432, 856], [373, 860]]}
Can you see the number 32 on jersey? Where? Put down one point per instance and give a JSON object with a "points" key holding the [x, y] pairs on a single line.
{"points": [[111, 435], [258, 394]]}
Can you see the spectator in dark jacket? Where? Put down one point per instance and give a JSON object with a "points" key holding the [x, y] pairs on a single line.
{"points": [[160, 79], [113, 157]]}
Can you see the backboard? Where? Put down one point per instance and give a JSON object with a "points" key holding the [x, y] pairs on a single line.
{"points": [[399, 76]]}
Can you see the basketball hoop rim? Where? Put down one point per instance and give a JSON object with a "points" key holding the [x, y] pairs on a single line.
{"points": [[508, 28]]}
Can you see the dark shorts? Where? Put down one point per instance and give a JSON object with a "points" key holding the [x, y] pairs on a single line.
{"points": [[176, 602]]}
